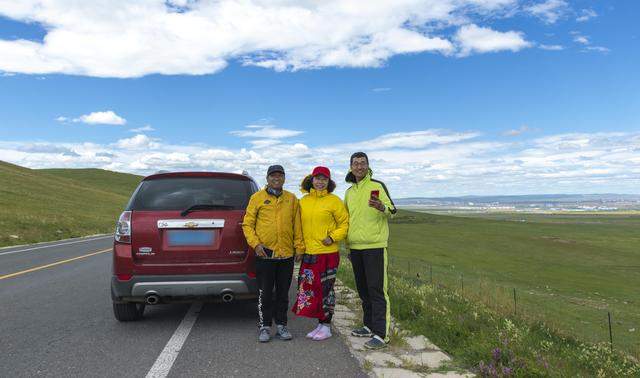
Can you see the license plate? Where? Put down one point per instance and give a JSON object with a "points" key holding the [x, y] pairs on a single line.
{"points": [[190, 237]]}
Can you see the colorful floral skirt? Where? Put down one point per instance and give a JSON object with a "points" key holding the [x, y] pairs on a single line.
{"points": [[316, 298]]}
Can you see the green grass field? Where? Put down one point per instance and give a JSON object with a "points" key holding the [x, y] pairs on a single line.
{"points": [[42, 205], [568, 270]]}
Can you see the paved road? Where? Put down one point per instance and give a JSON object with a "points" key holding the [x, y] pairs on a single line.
{"points": [[58, 321]]}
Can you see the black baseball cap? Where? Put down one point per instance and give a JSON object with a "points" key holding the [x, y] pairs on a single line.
{"points": [[275, 168]]}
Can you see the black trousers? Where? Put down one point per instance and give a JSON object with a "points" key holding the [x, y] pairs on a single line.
{"points": [[270, 274], [370, 271]]}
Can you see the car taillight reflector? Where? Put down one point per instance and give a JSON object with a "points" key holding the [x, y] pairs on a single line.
{"points": [[123, 228], [124, 277]]}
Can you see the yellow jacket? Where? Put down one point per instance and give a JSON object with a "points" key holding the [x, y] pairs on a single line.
{"points": [[274, 222], [323, 214]]}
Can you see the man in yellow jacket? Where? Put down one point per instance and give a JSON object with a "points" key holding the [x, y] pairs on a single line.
{"points": [[370, 207], [272, 228]]}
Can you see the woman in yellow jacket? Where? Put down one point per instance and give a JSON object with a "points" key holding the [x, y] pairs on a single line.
{"points": [[325, 222]]}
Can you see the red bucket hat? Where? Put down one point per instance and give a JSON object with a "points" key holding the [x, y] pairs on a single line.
{"points": [[321, 171]]}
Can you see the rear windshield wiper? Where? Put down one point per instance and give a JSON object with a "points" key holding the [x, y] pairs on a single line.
{"points": [[205, 207]]}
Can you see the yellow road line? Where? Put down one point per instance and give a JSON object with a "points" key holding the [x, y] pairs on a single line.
{"points": [[52, 264]]}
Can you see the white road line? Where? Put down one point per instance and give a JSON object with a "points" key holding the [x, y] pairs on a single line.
{"points": [[55, 245], [167, 357]]}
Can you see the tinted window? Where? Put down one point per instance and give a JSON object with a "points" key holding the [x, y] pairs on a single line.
{"points": [[180, 193]]}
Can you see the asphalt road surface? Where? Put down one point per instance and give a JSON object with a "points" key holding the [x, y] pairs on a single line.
{"points": [[56, 320]]}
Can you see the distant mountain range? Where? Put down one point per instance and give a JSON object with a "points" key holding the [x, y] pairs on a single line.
{"points": [[520, 199]]}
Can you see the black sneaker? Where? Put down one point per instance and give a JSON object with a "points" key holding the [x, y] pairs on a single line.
{"points": [[362, 332], [376, 342]]}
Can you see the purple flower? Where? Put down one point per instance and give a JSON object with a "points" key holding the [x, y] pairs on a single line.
{"points": [[507, 371], [497, 353]]}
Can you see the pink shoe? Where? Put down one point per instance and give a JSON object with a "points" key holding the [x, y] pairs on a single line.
{"points": [[323, 334], [311, 334]]}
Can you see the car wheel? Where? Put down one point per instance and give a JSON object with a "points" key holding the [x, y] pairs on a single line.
{"points": [[127, 312]]}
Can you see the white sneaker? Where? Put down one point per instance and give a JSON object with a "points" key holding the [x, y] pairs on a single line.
{"points": [[323, 334], [313, 333]]}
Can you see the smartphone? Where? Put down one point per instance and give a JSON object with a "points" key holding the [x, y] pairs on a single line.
{"points": [[375, 194]]}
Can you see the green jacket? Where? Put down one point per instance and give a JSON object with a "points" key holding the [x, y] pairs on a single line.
{"points": [[368, 226]]}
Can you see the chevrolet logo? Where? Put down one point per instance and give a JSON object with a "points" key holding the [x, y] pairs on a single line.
{"points": [[191, 224]]}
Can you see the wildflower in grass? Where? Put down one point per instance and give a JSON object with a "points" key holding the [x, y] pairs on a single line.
{"points": [[497, 354]]}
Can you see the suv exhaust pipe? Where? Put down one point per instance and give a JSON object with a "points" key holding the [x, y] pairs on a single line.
{"points": [[227, 296], [152, 299]]}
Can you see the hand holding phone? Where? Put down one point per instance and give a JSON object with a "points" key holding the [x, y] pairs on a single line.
{"points": [[374, 200]]}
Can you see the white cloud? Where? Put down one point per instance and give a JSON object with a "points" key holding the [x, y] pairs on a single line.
{"points": [[586, 15], [261, 143], [517, 132], [445, 163], [476, 39], [549, 11], [108, 117], [265, 132], [381, 89], [47, 148], [551, 47], [201, 37], [411, 140], [581, 39], [137, 142], [142, 129], [600, 49]]}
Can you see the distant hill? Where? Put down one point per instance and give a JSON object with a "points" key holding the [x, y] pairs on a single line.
{"points": [[51, 204], [522, 199]]}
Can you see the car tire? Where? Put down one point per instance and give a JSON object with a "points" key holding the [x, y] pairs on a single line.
{"points": [[127, 312]]}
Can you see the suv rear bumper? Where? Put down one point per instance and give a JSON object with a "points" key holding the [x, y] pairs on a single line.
{"points": [[183, 286]]}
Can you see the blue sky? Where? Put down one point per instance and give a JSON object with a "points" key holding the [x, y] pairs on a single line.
{"points": [[492, 97]]}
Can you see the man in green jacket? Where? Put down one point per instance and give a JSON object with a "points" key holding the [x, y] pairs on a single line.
{"points": [[370, 207]]}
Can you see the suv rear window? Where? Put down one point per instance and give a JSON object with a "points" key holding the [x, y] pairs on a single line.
{"points": [[180, 193]]}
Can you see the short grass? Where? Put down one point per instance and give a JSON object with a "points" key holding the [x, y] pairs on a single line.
{"points": [[453, 280], [490, 342], [569, 271], [43, 205], [114, 182]]}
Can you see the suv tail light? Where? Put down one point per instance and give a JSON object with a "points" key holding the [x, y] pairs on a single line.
{"points": [[123, 228]]}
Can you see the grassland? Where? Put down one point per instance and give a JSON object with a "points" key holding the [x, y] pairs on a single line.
{"points": [[567, 270], [42, 205], [491, 342]]}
